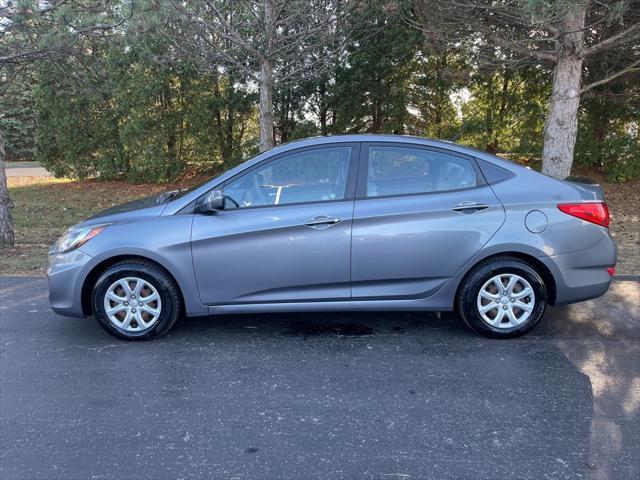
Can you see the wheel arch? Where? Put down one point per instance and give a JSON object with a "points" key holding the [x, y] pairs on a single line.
{"points": [[533, 262], [101, 267]]}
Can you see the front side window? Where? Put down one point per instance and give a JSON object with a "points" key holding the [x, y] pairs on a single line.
{"points": [[405, 170], [310, 176]]}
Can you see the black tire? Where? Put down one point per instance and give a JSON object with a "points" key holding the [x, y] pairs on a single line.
{"points": [[470, 288], [166, 287]]}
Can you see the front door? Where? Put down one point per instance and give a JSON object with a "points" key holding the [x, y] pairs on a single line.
{"points": [[420, 215], [285, 232]]}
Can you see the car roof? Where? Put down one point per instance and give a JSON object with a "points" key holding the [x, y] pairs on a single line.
{"points": [[408, 139], [370, 137]]}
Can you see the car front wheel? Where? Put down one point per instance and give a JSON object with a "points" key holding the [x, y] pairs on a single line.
{"points": [[136, 300], [502, 298]]}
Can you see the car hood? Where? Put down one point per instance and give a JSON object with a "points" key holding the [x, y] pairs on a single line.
{"points": [[143, 207]]}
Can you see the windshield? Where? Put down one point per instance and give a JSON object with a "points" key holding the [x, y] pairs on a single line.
{"points": [[175, 194]]}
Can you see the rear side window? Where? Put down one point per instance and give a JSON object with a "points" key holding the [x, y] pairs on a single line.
{"points": [[405, 170]]}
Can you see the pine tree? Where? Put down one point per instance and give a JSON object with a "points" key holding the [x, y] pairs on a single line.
{"points": [[17, 118]]}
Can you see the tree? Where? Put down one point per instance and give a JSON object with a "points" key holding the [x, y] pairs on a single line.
{"points": [[6, 204], [437, 76], [17, 117], [221, 121], [17, 126], [371, 91], [607, 135], [506, 109], [260, 39], [131, 109], [561, 33], [31, 31]]}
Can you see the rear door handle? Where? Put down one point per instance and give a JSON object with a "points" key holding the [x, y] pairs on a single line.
{"points": [[470, 207], [322, 222]]}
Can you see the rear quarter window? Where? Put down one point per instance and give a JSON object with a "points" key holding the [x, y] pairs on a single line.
{"points": [[493, 173]]}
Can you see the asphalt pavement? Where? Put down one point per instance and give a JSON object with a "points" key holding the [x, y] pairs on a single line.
{"points": [[320, 396]]}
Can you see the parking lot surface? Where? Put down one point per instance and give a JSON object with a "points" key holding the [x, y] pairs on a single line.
{"points": [[326, 396]]}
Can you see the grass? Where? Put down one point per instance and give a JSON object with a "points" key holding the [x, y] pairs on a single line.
{"points": [[45, 207]]}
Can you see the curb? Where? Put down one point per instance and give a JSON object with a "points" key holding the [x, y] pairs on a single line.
{"points": [[623, 277]]}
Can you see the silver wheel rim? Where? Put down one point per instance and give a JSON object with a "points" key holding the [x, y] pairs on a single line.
{"points": [[506, 301], [132, 304]]}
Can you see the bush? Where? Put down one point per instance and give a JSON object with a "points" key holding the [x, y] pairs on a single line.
{"points": [[621, 157]]}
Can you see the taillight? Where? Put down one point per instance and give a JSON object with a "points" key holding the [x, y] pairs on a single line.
{"points": [[594, 212]]}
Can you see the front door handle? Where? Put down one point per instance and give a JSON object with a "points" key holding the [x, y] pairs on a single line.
{"points": [[470, 207], [322, 222]]}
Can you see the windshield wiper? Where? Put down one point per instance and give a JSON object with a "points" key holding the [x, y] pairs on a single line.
{"points": [[166, 196]]}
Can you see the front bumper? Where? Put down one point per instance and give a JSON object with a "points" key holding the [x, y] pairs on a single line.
{"points": [[66, 274]]}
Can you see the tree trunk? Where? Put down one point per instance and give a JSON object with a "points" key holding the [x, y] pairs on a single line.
{"points": [[600, 129], [266, 80], [322, 90], [494, 143], [561, 128], [227, 145], [266, 106], [6, 204]]}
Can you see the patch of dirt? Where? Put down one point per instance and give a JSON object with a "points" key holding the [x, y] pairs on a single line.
{"points": [[623, 200]]}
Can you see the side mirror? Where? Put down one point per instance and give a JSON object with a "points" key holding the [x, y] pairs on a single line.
{"points": [[211, 202]]}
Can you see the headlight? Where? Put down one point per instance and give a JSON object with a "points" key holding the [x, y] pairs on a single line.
{"points": [[76, 237]]}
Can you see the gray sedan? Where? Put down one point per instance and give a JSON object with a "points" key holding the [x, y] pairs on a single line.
{"points": [[357, 222]]}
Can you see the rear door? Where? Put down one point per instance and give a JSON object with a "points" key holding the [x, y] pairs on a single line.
{"points": [[285, 232], [420, 214]]}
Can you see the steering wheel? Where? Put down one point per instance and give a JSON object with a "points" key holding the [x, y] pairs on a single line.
{"points": [[236, 204]]}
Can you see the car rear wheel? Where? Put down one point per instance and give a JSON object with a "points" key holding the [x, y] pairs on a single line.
{"points": [[502, 298], [136, 300]]}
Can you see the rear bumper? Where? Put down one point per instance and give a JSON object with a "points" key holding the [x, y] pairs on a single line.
{"points": [[66, 274], [582, 275]]}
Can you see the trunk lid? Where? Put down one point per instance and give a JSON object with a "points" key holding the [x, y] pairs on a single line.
{"points": [[588, 185]]}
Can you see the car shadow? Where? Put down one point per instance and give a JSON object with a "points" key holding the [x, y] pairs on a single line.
{"points": [[317, 324]]}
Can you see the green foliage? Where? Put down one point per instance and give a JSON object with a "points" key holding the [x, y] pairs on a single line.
{"points": [[17, 118], [608, 137], [133, 104], [123, 114], [76, 134], [437, 78], [621, 157], [372, 90], [506, 111], [221, 126], [613, 146]]}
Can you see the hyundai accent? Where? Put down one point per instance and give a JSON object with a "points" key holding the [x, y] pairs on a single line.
{"points": [[355, 222]]}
